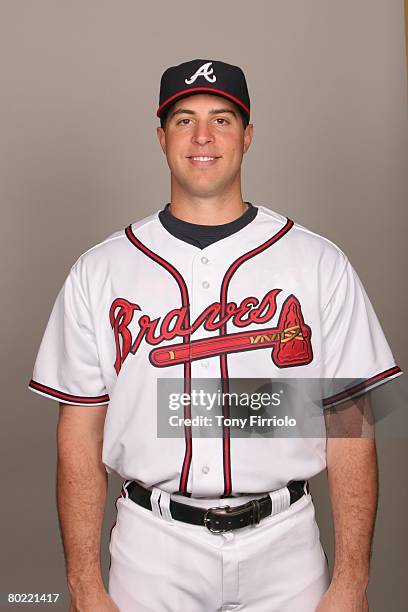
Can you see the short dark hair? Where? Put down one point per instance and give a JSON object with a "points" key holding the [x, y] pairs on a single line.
{"points": [[243, 115]]}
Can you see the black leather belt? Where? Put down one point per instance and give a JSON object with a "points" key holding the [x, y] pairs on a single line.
{"points": [[219, 518]]}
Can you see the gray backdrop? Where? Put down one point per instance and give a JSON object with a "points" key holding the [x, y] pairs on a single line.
{"points": [[80, 159]]}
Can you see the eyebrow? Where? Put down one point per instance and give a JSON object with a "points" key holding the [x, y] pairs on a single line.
{"points": [[214, 111]]}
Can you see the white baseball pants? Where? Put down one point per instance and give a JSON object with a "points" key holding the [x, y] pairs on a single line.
{"points": [[158, 564]]}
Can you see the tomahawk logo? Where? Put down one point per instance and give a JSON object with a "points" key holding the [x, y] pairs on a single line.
{"points": [[289, 340], [204, 71]]}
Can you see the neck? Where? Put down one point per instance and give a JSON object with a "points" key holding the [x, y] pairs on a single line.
{"points": [[209, 210]]}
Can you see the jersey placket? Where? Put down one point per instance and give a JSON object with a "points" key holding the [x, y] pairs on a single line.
{"points": [[207, 460]]}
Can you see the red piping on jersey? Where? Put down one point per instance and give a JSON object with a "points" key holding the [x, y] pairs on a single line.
{"points": [[362, 386], [223, 358], [187, 365], [67, 397], [195, 89]]}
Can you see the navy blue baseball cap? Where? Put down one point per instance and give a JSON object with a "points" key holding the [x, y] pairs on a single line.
{"points": [[203, 76]]}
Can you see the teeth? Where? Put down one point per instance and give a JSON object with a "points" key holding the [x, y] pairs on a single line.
{"points": [[203, 158]]}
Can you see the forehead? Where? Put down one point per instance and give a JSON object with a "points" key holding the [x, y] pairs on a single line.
{"points": [[203, 102]]}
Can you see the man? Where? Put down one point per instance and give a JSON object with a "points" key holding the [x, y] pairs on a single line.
{"points": [[208, 288]]}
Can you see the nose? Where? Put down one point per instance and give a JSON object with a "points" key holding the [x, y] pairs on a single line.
{"points": [[202, 133]]}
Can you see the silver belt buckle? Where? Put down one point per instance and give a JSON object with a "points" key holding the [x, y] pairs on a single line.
{"points": [[236, 511], [220, 510]]}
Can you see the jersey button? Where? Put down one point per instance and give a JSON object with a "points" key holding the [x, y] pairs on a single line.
{"points": [[205, 469], [204, 260], [205, 284]]}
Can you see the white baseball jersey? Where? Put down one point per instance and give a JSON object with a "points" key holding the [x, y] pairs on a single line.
{"points": [[271, 300]]}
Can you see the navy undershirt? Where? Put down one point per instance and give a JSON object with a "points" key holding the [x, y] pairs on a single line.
{"points": [[203, 235]]}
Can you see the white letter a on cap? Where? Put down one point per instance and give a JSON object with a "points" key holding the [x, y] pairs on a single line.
{"points": [[204, 71]]}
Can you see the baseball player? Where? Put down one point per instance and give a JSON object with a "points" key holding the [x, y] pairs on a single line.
{"points": [[208, 287]]}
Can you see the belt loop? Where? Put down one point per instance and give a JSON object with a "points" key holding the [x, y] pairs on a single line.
{"points": [[154, 501], [256, 516], [165, 507], [125, 485], [280, 500]]}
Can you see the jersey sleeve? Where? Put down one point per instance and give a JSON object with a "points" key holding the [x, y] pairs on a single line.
{"points": [[67, 366], [355, 349]]}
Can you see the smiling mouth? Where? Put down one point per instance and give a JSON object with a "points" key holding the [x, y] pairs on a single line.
{"points": [[203, 160]]}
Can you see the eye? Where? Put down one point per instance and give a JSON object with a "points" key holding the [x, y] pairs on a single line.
{"points": [[181, 121], [221, 119]]}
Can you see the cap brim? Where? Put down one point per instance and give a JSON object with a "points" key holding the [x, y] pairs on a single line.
{"points": [[196, 90]]}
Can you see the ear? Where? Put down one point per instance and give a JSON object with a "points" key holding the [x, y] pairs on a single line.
{"points": [[249, 130], [161, 135]]}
